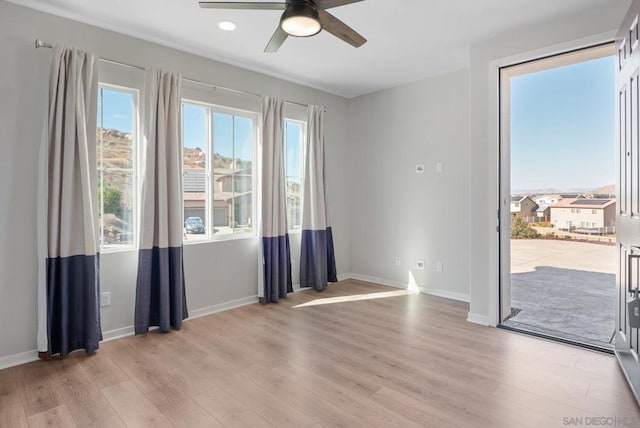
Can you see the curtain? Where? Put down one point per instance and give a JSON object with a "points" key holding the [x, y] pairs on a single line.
{"points": [[160, 289], [68, 280], [276, 252], [317, 260]]}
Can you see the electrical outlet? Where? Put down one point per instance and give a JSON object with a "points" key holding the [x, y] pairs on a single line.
{"points": [[105, 299], [420, 264], [438, 266], [439, 167], [397, 261]]}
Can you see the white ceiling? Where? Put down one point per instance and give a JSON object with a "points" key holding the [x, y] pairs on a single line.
{"points": [[407, 39]]}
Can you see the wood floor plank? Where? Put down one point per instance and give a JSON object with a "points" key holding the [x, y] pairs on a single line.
{"points": [[356, 404], [133, 407], [37, 386], [103, 371], [56, 417], [427, 414], [82, 397], [181, 409], [228, 410], [11, 411], [278, 413], [309, 402]]}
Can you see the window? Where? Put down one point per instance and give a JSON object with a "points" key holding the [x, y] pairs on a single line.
{"points": [[218, 156], [294, 137], [594, 211], [116, 159]]}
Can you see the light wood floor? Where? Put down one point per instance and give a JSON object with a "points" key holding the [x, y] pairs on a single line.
{"points": [[381, 357]]}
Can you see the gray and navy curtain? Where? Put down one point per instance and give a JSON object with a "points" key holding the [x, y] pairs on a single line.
{"points": [[160, 290], [276, 253], [317, 260], [69, 289]]}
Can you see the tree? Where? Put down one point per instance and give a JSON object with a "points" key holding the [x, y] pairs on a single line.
{"points": [[111, 198], [520, 230]]}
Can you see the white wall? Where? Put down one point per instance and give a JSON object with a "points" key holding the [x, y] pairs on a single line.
{"points": [[216, 273], [396, 212], [554, 36]]}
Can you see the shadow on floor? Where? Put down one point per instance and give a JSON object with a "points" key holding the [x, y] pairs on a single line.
{"points": [[566, 303]]}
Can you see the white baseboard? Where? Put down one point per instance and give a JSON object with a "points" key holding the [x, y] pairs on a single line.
{"points": [[209, 310], [343, 276], [117, 333], [376, 280], [478, 319], [431, 291], [451, 295], [17, 359]]}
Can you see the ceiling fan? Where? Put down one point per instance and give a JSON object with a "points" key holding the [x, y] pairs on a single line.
{"points": [[301, 18]]}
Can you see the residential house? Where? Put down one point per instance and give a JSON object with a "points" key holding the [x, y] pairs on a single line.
{"points": [[543, 213], [547, 199], [584, 214], [523, 206], [232, 196]]}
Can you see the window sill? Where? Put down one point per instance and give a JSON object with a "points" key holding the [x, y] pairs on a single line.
{"points": [[122, 249], [221, 238]]}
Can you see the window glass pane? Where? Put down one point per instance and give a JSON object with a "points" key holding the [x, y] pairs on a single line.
{"points": [[233, 145], [116, 191], [194, 157], [223, 173], [243, 175], [115, 162], [218, 172], [294, 135]]}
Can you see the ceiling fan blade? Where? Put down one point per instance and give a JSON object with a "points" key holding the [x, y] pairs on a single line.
{"points": [[341, 30], [243, 5], [276, 41], [328, 4]]}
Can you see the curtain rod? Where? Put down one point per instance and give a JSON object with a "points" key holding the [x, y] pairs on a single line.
{"points": [[42, 44]]}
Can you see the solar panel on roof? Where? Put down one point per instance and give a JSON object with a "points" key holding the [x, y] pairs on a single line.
{"points": [[590, 202]]}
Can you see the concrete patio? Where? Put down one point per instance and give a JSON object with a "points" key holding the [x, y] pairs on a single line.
{"points": [[564, 289]]}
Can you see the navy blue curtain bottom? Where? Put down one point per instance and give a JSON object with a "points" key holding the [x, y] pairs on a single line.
{"points": [[277, 268], [317, 259], [160, 292], [73, 304]]}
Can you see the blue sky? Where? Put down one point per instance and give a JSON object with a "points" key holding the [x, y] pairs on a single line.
{"points": [[563, 127], [117, 110], [226, 129]]}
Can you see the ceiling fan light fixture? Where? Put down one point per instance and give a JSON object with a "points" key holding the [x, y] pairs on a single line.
{"points": [[300, 20], [227, 25]]}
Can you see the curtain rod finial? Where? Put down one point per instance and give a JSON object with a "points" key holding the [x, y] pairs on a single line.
{"points": [[41, 44]]}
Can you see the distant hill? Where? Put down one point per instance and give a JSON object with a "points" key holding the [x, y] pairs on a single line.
{"points": [[609, 189], [117, 153]]}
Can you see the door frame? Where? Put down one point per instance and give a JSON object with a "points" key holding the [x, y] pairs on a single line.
{"points": [[505, 74], [492, 97]]}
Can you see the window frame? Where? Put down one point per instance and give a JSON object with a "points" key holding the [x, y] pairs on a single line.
{"points": [[303, 145], [209, 201], [127, 86]]}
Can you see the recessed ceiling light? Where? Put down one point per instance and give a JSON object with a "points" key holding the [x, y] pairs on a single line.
{"points": [[227, 25]]}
